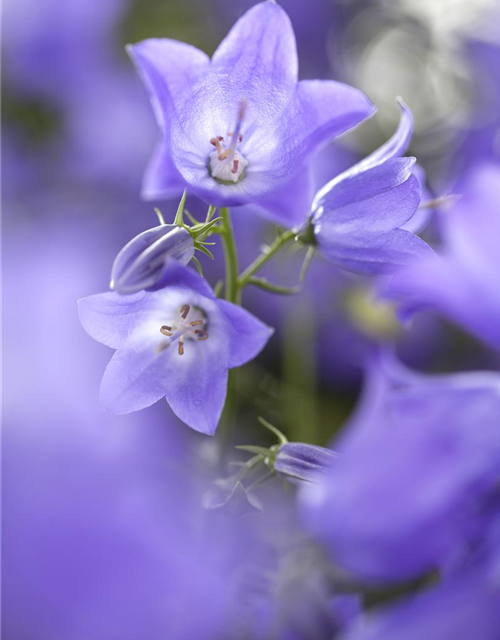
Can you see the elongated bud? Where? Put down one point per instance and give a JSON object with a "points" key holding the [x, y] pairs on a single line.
{"points": [[301, 461], [142, 262]]}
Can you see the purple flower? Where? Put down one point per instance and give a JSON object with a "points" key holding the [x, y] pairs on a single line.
{"points": [[414, 467], [142, 262], [239, 128], [177, 343], [302, 461], [465, 608], [462, 282], [359, 217]]}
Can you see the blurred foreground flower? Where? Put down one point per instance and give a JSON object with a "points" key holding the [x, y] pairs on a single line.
{"points": [[178, 343], [462, 282], [359, 218], [414, 471], [239, 128]]}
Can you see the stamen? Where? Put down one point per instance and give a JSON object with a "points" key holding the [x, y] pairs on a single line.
{"points": [[216, 142], [180, 349], [184, 311], [166, 330], [202, 335], [196, 323], [226, 165]]}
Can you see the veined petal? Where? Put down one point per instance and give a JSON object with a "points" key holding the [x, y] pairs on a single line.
{"points": [[319, 111], [258, 58], [196, 394], [170, 71], [141, 262], [178, 275], [247, 334], [394, 147], [109, 318], [361, 187], [137, 375], [374, 253]]}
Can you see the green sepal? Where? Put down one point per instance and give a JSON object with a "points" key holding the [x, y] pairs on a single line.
{"points": [[198, 265], [179, 216], [203, 249]]}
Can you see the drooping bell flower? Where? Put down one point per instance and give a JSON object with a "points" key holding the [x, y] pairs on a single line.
{"points": [[461, 281], [414, 469], [239, 128], [358, 219], [143, 261], [177, 343]]}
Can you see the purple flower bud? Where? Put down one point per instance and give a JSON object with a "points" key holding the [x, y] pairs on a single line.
{"points": [[142, 262], [302, 461]]}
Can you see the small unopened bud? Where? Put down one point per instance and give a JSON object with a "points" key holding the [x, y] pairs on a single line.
{"points": [[142, 262], [301, 461]]}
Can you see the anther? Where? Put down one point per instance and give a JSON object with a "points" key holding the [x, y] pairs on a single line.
{"points": [[216, 142], [181, 346], [196, 323], [166, 330], [201, 335], [184, 311], [236, 163]]}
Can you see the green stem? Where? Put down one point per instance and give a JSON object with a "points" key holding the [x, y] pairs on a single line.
{"points": [[230, 257], [264, 257], [232, 294]]}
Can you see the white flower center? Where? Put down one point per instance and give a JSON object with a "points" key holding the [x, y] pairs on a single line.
{"points": [[190, 326], [226, 163]]}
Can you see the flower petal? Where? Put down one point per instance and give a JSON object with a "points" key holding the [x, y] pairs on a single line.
{"points": [[257, 61], [359, 190], [137, 375], [394, 147], [247, 334], [162, 180], [109, 318], [289, 205], [196, 394], [320, 110], [170, 71], [375, 253]]}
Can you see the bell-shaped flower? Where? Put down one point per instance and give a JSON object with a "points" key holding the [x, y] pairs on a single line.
{"points": [[462, 280], [358, 219], [413, 472], [239, 128], [177, 343], [143, 261], [301, 461]]}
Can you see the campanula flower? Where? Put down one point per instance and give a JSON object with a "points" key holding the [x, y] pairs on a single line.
{"points": [[462, 608], [307, 462], [143, 261], [462, 281], [177, 342], [239, 128], [358, 218], [413, 469]]}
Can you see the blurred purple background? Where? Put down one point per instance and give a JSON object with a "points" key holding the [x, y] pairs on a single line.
{"points": [[88, 496]]}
